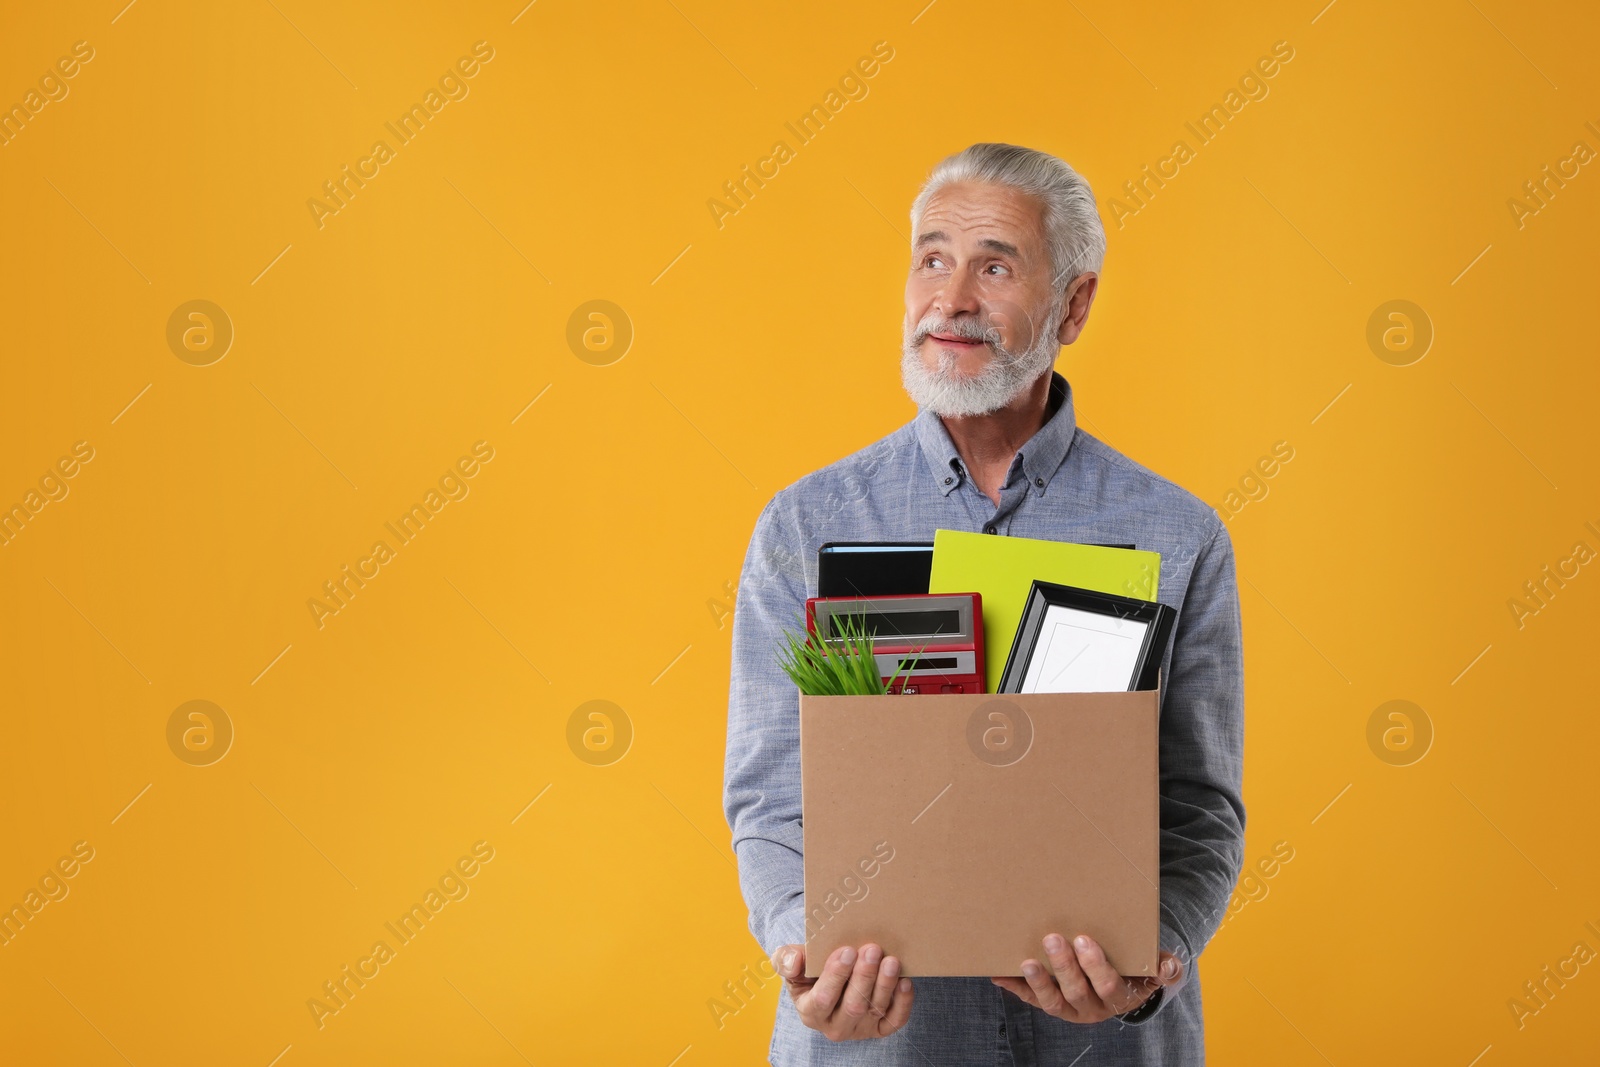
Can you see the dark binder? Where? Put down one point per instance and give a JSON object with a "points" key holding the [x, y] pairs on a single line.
{"points": [[877, 568]]}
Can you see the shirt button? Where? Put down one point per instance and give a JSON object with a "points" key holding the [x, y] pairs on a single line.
{"points": [[947, 481], [989, 528], [1039, 482]]}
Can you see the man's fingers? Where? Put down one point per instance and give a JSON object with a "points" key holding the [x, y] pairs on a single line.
{"points": [[1112, 989], [790, 961], [883, 991], [900, 1009], [1169, 970], [1080, 984], [1018, 987], [1047, 994], [858, 994], [1074, 984], [824, 996]]}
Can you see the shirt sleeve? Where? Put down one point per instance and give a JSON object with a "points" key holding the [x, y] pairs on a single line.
{"points": [[1202, 762], [761, 777]]}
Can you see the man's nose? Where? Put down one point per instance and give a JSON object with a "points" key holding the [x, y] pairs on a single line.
{"points": [[959, 295]]}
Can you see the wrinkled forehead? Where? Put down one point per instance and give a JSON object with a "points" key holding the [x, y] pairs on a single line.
{"points": [[977, 215]]}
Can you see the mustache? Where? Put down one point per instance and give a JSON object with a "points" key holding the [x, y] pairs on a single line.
{"points": [[965, 329], [968, 330]]}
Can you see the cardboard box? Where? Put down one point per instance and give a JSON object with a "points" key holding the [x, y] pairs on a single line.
{"points": [[957, 830]]}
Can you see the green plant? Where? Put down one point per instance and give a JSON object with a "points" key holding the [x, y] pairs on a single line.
{"points": [[839, 666]]}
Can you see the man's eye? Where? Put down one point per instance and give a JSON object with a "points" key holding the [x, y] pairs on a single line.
{"points": [[932, 259], [1000, 266]]}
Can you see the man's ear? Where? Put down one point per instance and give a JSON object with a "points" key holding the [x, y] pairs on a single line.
{"points": [[1080, 294]]}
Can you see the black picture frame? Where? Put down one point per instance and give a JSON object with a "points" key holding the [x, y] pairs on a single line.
{"points": [[1042, 596]]}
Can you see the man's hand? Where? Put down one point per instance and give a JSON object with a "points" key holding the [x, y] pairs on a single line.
{"points": [[857, 996], [1080, 986]]}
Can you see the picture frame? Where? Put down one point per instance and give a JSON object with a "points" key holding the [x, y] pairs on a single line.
{"points": [[1073, 640]]}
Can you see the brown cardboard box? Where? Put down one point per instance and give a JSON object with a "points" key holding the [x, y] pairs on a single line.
{"points": [[957, 830]]}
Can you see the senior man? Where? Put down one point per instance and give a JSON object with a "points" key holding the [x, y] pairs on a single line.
{"points": [[1006, 251]]}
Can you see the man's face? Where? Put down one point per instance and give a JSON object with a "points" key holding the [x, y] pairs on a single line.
{"points": [[982, 315]]}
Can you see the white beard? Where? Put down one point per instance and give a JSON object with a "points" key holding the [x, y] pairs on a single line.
{"points": [[1002, 379]]}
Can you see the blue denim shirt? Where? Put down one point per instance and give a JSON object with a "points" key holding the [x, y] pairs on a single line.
{"points": [[1066, 485]]}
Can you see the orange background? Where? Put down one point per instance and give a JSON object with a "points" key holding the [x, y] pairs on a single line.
{"points": [[592, 557]]}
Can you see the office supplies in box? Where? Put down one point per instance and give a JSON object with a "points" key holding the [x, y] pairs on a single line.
{"points": [[1003, 570]]}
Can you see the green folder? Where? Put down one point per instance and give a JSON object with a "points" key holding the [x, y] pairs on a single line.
{"points": [[1003, 570]]}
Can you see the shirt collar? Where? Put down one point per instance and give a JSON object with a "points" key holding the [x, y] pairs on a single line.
{"points": [[1040, 457]]}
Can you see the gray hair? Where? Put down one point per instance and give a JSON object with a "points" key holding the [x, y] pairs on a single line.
{"points": [[1073, 233]]}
